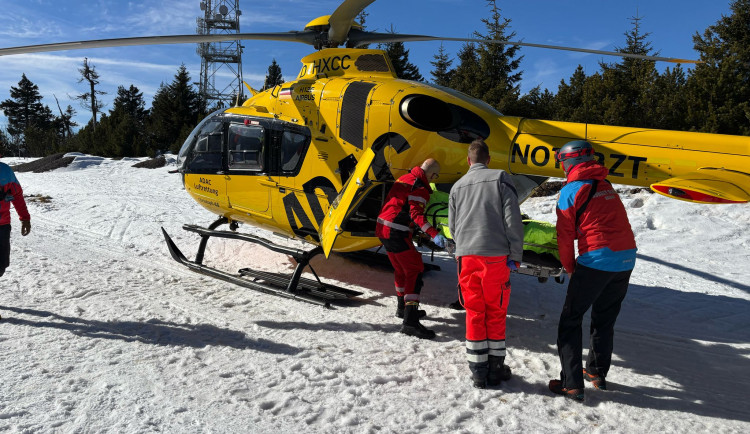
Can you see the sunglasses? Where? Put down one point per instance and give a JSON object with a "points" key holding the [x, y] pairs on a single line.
{"points": [[559, 156]]}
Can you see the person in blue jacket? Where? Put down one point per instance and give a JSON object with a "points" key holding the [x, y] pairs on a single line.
{"points": [[10, 193], [590, 211]]}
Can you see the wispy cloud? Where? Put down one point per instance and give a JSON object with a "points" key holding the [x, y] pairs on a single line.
{"points": [[57, 75], [163, 17], [543, 72], [18, 26]]}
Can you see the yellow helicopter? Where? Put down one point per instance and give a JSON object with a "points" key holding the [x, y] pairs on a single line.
{"points": [[313, 158]]}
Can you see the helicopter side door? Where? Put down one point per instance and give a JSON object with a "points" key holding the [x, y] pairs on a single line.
{"points": [[298, 183], [248, 183], [341, 208]]}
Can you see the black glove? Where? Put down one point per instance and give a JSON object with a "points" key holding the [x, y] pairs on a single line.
{"points": [[25, 227]]}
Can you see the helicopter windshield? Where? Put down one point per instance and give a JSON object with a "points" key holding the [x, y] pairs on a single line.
{"points": [[201, 152]]}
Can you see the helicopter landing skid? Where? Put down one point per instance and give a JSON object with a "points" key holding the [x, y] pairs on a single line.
{"points": [[294, 286]]}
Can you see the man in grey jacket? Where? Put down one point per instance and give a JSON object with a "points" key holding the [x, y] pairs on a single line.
{"points": [[485, 221]]}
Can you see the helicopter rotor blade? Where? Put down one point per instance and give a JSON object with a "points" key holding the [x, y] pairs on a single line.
{"points": [[303, 37], [355, 36], [342, 18], [360, 38]]}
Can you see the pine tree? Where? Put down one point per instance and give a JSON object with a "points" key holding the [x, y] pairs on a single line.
{"points": [[399, 56], [89, 100], [24, 109], [273, 76], [40, 142], [361, 19], [570, 97], [629, 83], [670, 96], [130, 101], [536, 104], [64, 123], [719, 88], [127, 121], [499, 78], [581, 99], [5, 144], [176, 108], [466, 76], [442, 73], [29, 121]]}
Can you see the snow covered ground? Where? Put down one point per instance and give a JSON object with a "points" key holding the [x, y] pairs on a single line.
{"points": [[103, 332]]}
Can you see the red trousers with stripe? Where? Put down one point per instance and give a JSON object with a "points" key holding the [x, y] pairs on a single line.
{"points": [[485, 289], [407, 266]]}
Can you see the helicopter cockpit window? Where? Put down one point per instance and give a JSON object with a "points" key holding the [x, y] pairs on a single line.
{"points": [[201, 152], [469, 126], [293, 146], [245, 146]]}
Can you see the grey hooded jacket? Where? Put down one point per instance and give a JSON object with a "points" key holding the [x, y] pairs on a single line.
{"points": [[484, 216]]}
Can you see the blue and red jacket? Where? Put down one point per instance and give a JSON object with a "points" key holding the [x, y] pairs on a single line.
{"points": [[404, 207], [11, 192], [605, 239]]}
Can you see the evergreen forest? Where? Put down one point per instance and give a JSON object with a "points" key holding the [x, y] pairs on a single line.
{"points": [[713, 96]]}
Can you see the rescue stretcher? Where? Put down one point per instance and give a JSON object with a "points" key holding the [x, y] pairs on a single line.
{"points": [[540, 255]]}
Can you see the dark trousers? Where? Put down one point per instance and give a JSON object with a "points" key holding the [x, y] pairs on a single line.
{"points": [[4, 248], [603, 292]]}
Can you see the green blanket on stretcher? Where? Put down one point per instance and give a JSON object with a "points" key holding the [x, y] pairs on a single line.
{"points": [[538, 236]]}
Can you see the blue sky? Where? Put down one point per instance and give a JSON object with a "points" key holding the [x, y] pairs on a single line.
{"points": [[597, 24]]}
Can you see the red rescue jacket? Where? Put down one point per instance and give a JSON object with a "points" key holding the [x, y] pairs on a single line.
{"points": [[404, 207], [11, 189], [605, 239]]}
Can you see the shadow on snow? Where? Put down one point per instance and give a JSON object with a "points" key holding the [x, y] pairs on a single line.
{"points": [[154, 332]]}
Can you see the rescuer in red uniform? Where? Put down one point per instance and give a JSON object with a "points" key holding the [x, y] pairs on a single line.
{"points": [[402, 212]]}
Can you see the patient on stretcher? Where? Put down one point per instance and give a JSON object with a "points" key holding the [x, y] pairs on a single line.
{"points": [[539, 238]]}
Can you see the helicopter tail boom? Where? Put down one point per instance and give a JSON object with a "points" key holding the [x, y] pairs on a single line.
{"points": [[691, 166]]}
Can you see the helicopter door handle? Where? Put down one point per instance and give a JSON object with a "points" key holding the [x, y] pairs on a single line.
{"points": [[268, 183]]}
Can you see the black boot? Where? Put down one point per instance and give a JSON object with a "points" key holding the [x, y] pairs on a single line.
{"points": [[456, 305], [498, 371], [411, 326], [479, 374], [400, 308]]}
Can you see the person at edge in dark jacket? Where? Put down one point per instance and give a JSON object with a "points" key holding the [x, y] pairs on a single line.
{"points": [[402, 212], [10, 192], [485, 220], [590, 210]]}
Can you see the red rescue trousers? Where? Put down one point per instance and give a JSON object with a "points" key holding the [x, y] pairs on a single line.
{"points": [[407, 266], [485, 288]]}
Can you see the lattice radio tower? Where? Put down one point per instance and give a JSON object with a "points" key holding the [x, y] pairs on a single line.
{"points": [[221, 62]]}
